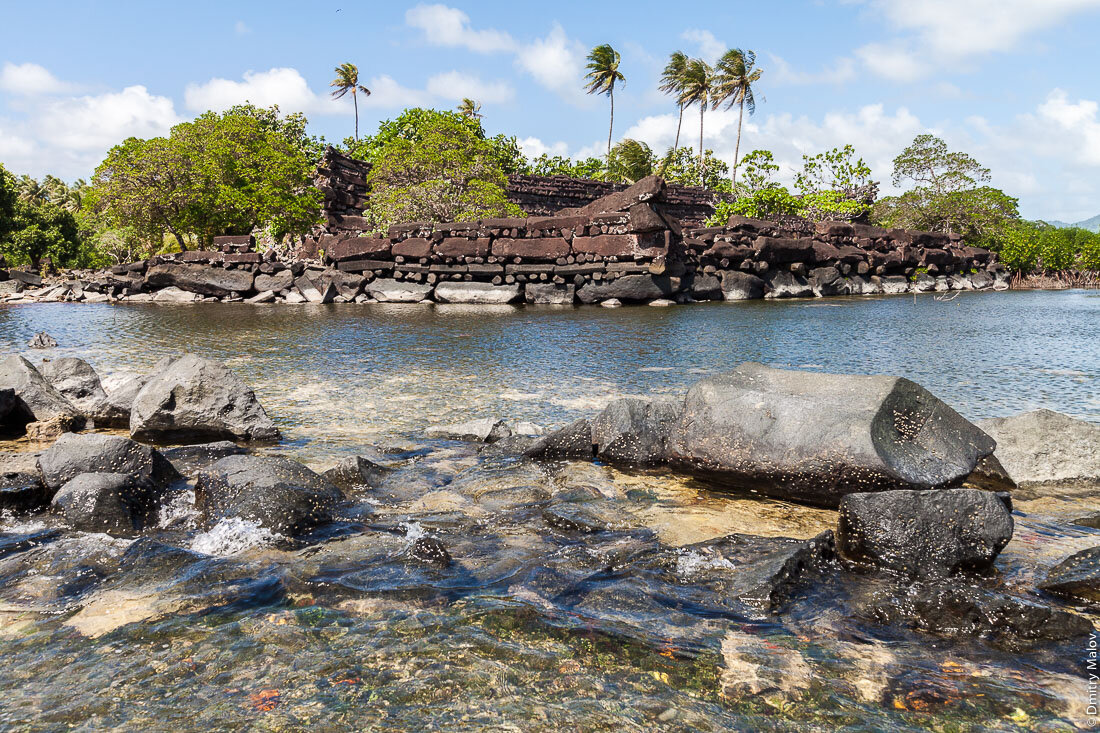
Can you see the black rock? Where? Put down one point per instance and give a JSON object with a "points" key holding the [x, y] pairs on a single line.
{"points": [[925, 533], [105, 502], [74, 454], [430, 551], [277, 493], [190, 459], [572, 441], [22, 492], [356, 472], [36, 399], [1078, 576], [42, 340], [631, 430], [76, 380]]}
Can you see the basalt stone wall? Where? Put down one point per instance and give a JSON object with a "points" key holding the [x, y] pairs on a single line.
{"points": [[627, 246]]}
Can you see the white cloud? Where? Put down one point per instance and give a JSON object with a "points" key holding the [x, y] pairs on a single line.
{"points": [[842, 70], [555, 61], [31, 80], [456, 85], [1077, 124], [948, 32], [446, 26], [282, 86], [95, 123], [710, 48], [533, 147]]}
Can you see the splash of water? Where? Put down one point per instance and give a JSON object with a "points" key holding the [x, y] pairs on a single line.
{"points": [[233, 536]]}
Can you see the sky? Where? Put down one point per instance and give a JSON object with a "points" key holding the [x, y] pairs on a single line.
{"points": [[1012, 82]]}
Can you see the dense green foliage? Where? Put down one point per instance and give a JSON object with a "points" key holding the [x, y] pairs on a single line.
{"points": [[557, 165], [219, 174], [7, 203], [43, 220], [443, 171], [1030, 246]]}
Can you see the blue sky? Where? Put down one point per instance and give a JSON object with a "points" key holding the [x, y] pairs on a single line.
{"points": [[1011, 81]]}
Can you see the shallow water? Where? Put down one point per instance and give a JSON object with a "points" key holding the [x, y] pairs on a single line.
{"points": [[531, 627]]}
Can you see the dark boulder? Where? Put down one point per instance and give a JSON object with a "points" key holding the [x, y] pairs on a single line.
{"points": [[630, 288], [785, 284], [925, 533], [198, 399], [356, 472], [22, 491], [631, 430], [572, 441], [737, 285], [959, 610], [815, 437], [115, 503], [1078, 576], [277, 493], [36, 399], [74, 454]]}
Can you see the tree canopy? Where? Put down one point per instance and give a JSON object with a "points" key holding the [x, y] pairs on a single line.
{"points": [[219, 174]]}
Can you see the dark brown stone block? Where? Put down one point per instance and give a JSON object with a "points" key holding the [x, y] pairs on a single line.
{"points": [[413, 247], [541, 248], [606, 245], [356, 247], [462, 247]]}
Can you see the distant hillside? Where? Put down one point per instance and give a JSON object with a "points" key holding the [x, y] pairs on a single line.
{"points": [[1093, 224]]}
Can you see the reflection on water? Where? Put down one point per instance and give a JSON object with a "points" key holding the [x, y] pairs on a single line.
{"points": [[532, 627], [335, 376]]}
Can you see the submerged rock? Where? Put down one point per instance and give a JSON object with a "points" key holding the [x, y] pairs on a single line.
{"points": [[1078, 576], [105, 502], [587, 517], [967, 611], [198, 399], [815, 437], [74, 454], [1046, 453], [355, 472], [36, 399], [925, 533], [22, 491], [631, 430], [485, 430], [277, 493]]}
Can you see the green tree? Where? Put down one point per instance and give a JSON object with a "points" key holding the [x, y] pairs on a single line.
{"points": [[698, 88], [469, 108], [672, 82], [630, 161], [735, 74], [291, 126], [42, 229], [603, 73], [927, 163], [680, 165], [347, 80], [9, 194], [219, 174], [557, 165], [835, 183], [449, 173], [411, 125]]}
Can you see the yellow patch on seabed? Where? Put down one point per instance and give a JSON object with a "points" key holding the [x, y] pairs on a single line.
{"points": [[14, 624], [112, 609]]}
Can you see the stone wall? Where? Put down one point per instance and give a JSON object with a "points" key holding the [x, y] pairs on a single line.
{"points": [[626, 247]]}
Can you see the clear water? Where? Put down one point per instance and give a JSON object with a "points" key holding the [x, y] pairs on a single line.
{"points": [[249, 631]]}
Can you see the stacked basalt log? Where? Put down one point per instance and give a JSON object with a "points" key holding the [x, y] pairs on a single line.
{"points": [[342, 181]]}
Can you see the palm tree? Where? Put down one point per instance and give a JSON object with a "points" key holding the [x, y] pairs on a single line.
{"points": [[347, 80], [672, 82], [469, 108], [630, 161], [603, 72], [698, 88], [734, 79]]}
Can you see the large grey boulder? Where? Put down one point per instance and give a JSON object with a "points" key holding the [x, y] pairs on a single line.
{"points": [[198, 399], [631, 430], [76, 380], [115, 503], [476, 293], [549, 293], [815, 437], [276, 493], [356, 472], [36, 399], [202, 279], [1047, 454], [74, 454], [785, 284], [173, 294], [925, 533]]}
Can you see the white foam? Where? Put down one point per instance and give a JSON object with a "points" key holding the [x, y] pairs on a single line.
{"points": [[179, 511], [233, 536], [691, 563]]}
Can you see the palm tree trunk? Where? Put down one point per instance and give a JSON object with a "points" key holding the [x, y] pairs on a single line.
{"points": [[612, 126], [737, 147], [355, 102], [702, 169], [679, 124]]}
